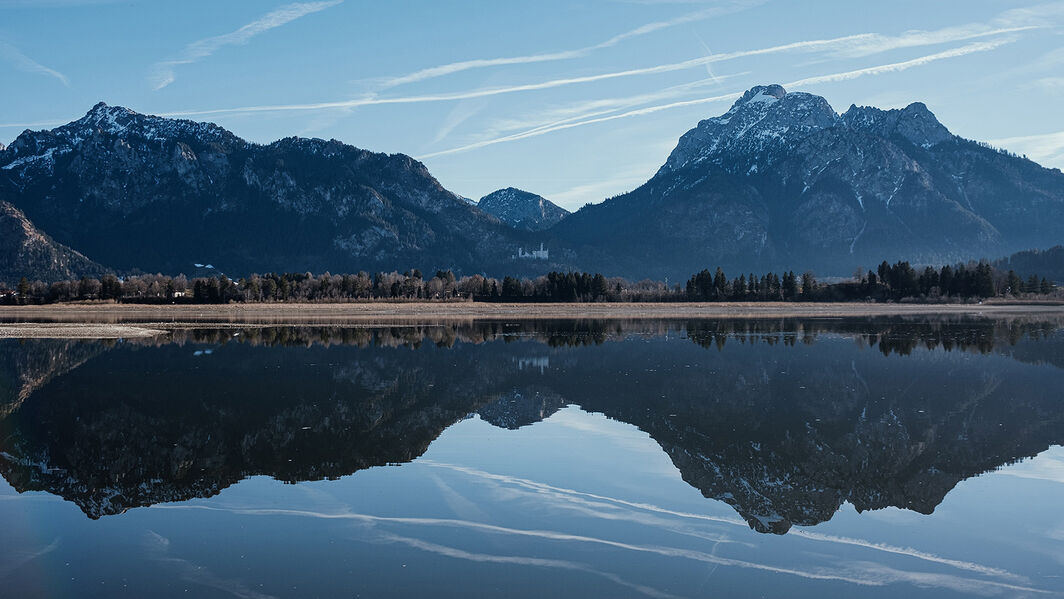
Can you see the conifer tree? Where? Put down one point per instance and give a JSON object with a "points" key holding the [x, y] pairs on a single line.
{"points": [[23, 290]]}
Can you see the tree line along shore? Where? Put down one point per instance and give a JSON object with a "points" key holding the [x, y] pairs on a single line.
{"points": [[898, 282]]}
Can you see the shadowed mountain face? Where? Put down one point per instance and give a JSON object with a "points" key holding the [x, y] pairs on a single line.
{"points": [[142, 192], [783, 420], [24, 368], [788, 435], [1046, 263], [27, 252], [783, 181]]}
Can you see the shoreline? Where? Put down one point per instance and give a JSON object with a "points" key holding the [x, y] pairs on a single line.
{"points": [[76, 331], [111, 321]]}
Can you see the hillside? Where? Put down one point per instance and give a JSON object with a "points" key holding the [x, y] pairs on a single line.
{"points": [[781, 181]]}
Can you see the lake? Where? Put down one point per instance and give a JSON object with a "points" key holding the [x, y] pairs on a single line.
{"points": [[876, 457]]}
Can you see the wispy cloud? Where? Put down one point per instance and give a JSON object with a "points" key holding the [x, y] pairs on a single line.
{"points": [[1042, 15], [866, 42], [598, 503], [974, 579], [416, 521], [852, 46], [877, 44], [536, 562], [1051, 84], [832, 77], [1011, 21], [701, 15], [372, 100], [462, 112], [858, 573], [574, 196], [571, 125], [158, 548], [904, 65], [913, 553], [588, 109], [857, 45], [54, 123], [163, 72], [52, 3], [480, 63], [1045, 148], [1050, 465], [15, 562], [20, 61]]}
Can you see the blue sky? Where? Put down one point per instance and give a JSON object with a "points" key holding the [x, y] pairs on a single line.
{"points": [[577, 101]]}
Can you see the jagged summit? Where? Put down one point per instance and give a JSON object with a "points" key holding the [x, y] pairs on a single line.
{"points": [[767, 121], [763, 93], [101, 110], [25, 251], [764, 119], [108, 119], [522, 209], [36, 151], [914, 123], [108, 122], [119, 120]]}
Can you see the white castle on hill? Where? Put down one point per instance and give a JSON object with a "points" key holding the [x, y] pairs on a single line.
{"points": [[540, 254]]}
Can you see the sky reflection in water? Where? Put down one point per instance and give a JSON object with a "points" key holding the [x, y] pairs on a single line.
{"points": [[644, 459]]}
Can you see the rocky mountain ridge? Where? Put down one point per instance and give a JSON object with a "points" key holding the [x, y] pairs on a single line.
{"points": [[781, 181], [140, 192], [27, 252], [522, 209]]}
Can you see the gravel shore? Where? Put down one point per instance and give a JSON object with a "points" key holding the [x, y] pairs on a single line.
{"points": [[105, 320], [74, 331]]}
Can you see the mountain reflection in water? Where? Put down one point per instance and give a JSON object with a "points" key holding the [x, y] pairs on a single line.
{"points": [[784, 420]]}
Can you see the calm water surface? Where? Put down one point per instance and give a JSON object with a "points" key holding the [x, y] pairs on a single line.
{"points": [[797, 458]]}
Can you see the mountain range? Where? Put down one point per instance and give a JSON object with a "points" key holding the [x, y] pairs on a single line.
{"points": [[139, 192], [780, 181], [783, 181]]}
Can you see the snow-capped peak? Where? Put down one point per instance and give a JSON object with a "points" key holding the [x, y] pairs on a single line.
{"points": [[37, 150], [522, 209], [111, 119], [763, 94], [764, 118]]}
